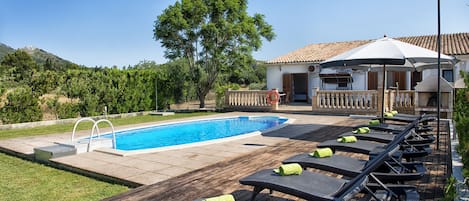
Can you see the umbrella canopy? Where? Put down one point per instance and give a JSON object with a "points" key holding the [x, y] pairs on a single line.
{"points": [[399, 56], [387, 51]]}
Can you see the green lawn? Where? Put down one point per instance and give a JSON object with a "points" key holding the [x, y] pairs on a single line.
{"points": [[63, 128], [25, 180]]}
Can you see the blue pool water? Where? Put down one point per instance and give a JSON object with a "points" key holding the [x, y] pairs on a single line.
{"points": [[190, 132]]}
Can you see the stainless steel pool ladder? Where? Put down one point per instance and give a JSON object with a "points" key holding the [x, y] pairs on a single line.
{"points": [[93, 129]]}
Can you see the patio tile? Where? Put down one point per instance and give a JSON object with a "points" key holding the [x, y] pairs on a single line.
{"points": [[145, 165], [105, 157], [122, 171], [173, 171], [148, 178]]}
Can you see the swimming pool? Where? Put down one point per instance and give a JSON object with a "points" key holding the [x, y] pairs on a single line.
{"points": [[192, 132]]}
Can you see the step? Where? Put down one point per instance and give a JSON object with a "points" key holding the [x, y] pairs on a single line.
{"points": [[54, 151]]}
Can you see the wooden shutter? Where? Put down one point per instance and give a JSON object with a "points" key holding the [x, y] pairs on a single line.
{"points": [[372, 80], [287, 85]]}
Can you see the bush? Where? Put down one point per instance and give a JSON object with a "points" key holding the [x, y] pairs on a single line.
{"points": [[450, 189], [257, 86], [461, 117], [220, 93], [21, 106], [68, 110]]}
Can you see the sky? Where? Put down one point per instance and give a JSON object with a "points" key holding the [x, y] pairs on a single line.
{"points": [[120, 32]]}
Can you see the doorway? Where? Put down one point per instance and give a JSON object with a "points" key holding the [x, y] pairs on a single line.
{"points": [[295, 86]]}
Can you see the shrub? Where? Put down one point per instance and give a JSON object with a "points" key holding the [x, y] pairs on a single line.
{"points": [[450, 189], [21, 106], [68, 110], [461, 117], [257, 86]]}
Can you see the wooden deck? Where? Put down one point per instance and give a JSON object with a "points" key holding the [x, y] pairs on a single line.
{"points": [[223, 177]]}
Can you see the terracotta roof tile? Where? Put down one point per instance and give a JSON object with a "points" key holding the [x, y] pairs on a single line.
{"points": [[451, 44]]}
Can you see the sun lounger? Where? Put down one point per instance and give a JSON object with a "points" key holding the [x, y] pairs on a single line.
{"points": [[422, 119], [386, 137], [315, 186], [391, 171], [394, 128], [367, 147]]}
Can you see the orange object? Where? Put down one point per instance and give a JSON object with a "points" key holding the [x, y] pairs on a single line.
{"points": [[273, 96]]}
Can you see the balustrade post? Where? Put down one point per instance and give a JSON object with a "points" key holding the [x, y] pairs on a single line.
{"points": [[227, 97], [380, 103], [314, 98], [392, 97]]}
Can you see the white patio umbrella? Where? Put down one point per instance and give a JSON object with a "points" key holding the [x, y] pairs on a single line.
{"points": [[388, 52]]}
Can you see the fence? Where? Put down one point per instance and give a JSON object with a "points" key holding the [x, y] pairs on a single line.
{"points": [[247, 100], [345, 101], [328, 101], [402, 101]]}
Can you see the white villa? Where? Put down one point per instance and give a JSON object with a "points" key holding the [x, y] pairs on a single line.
{"points": [[297, 73]]}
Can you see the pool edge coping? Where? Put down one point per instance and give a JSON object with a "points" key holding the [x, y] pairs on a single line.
{"points": [[195, 144]]}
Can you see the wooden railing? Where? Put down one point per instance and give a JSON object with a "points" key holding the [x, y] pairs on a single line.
{"points": [[345, 101], [247, 100], [402, 100]]}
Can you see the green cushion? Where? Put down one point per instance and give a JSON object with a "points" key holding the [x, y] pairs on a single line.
{"points": [[322, 153], [221, 198], [374, 122], [361, 130], [388, 114], [347, 139], [289, 169]]}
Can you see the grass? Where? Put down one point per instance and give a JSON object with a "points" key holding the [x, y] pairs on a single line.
{"points": [[63, 128], [24, 180]]}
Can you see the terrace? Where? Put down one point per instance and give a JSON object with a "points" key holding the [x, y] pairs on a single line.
{"points": [[222, 177], [215, 169]]}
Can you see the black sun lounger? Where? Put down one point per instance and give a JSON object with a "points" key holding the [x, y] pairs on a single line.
{"points": [[422, 119], [308, 185], [390, 171], [367, 147], [386, 137], [394, 128], [315, 186]]}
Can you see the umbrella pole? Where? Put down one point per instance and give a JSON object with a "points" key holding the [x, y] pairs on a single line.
{"points": [[382, 93], [439, 87]]}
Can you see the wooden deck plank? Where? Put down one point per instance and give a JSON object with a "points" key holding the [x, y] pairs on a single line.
{"points": [[223, 177]]}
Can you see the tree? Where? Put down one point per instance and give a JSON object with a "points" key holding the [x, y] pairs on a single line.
{"points": [[19, 66], [214, 36]]}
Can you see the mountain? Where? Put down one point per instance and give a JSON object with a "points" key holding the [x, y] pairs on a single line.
{"points": [[4, 50], [40, 56]]}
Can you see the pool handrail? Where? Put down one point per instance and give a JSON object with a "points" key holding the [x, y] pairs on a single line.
{"points": [[78, 122], [95, 125]]}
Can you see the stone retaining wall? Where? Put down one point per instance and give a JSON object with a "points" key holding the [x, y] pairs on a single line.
{"points": [[66, 121]]}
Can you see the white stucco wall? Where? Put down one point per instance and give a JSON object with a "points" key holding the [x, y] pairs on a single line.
{"points": [[360, 81], [274, 77], [463, 64], [275, 74]]}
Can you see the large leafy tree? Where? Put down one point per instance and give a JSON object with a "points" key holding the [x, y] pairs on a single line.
{"points": [[214, 36]]}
